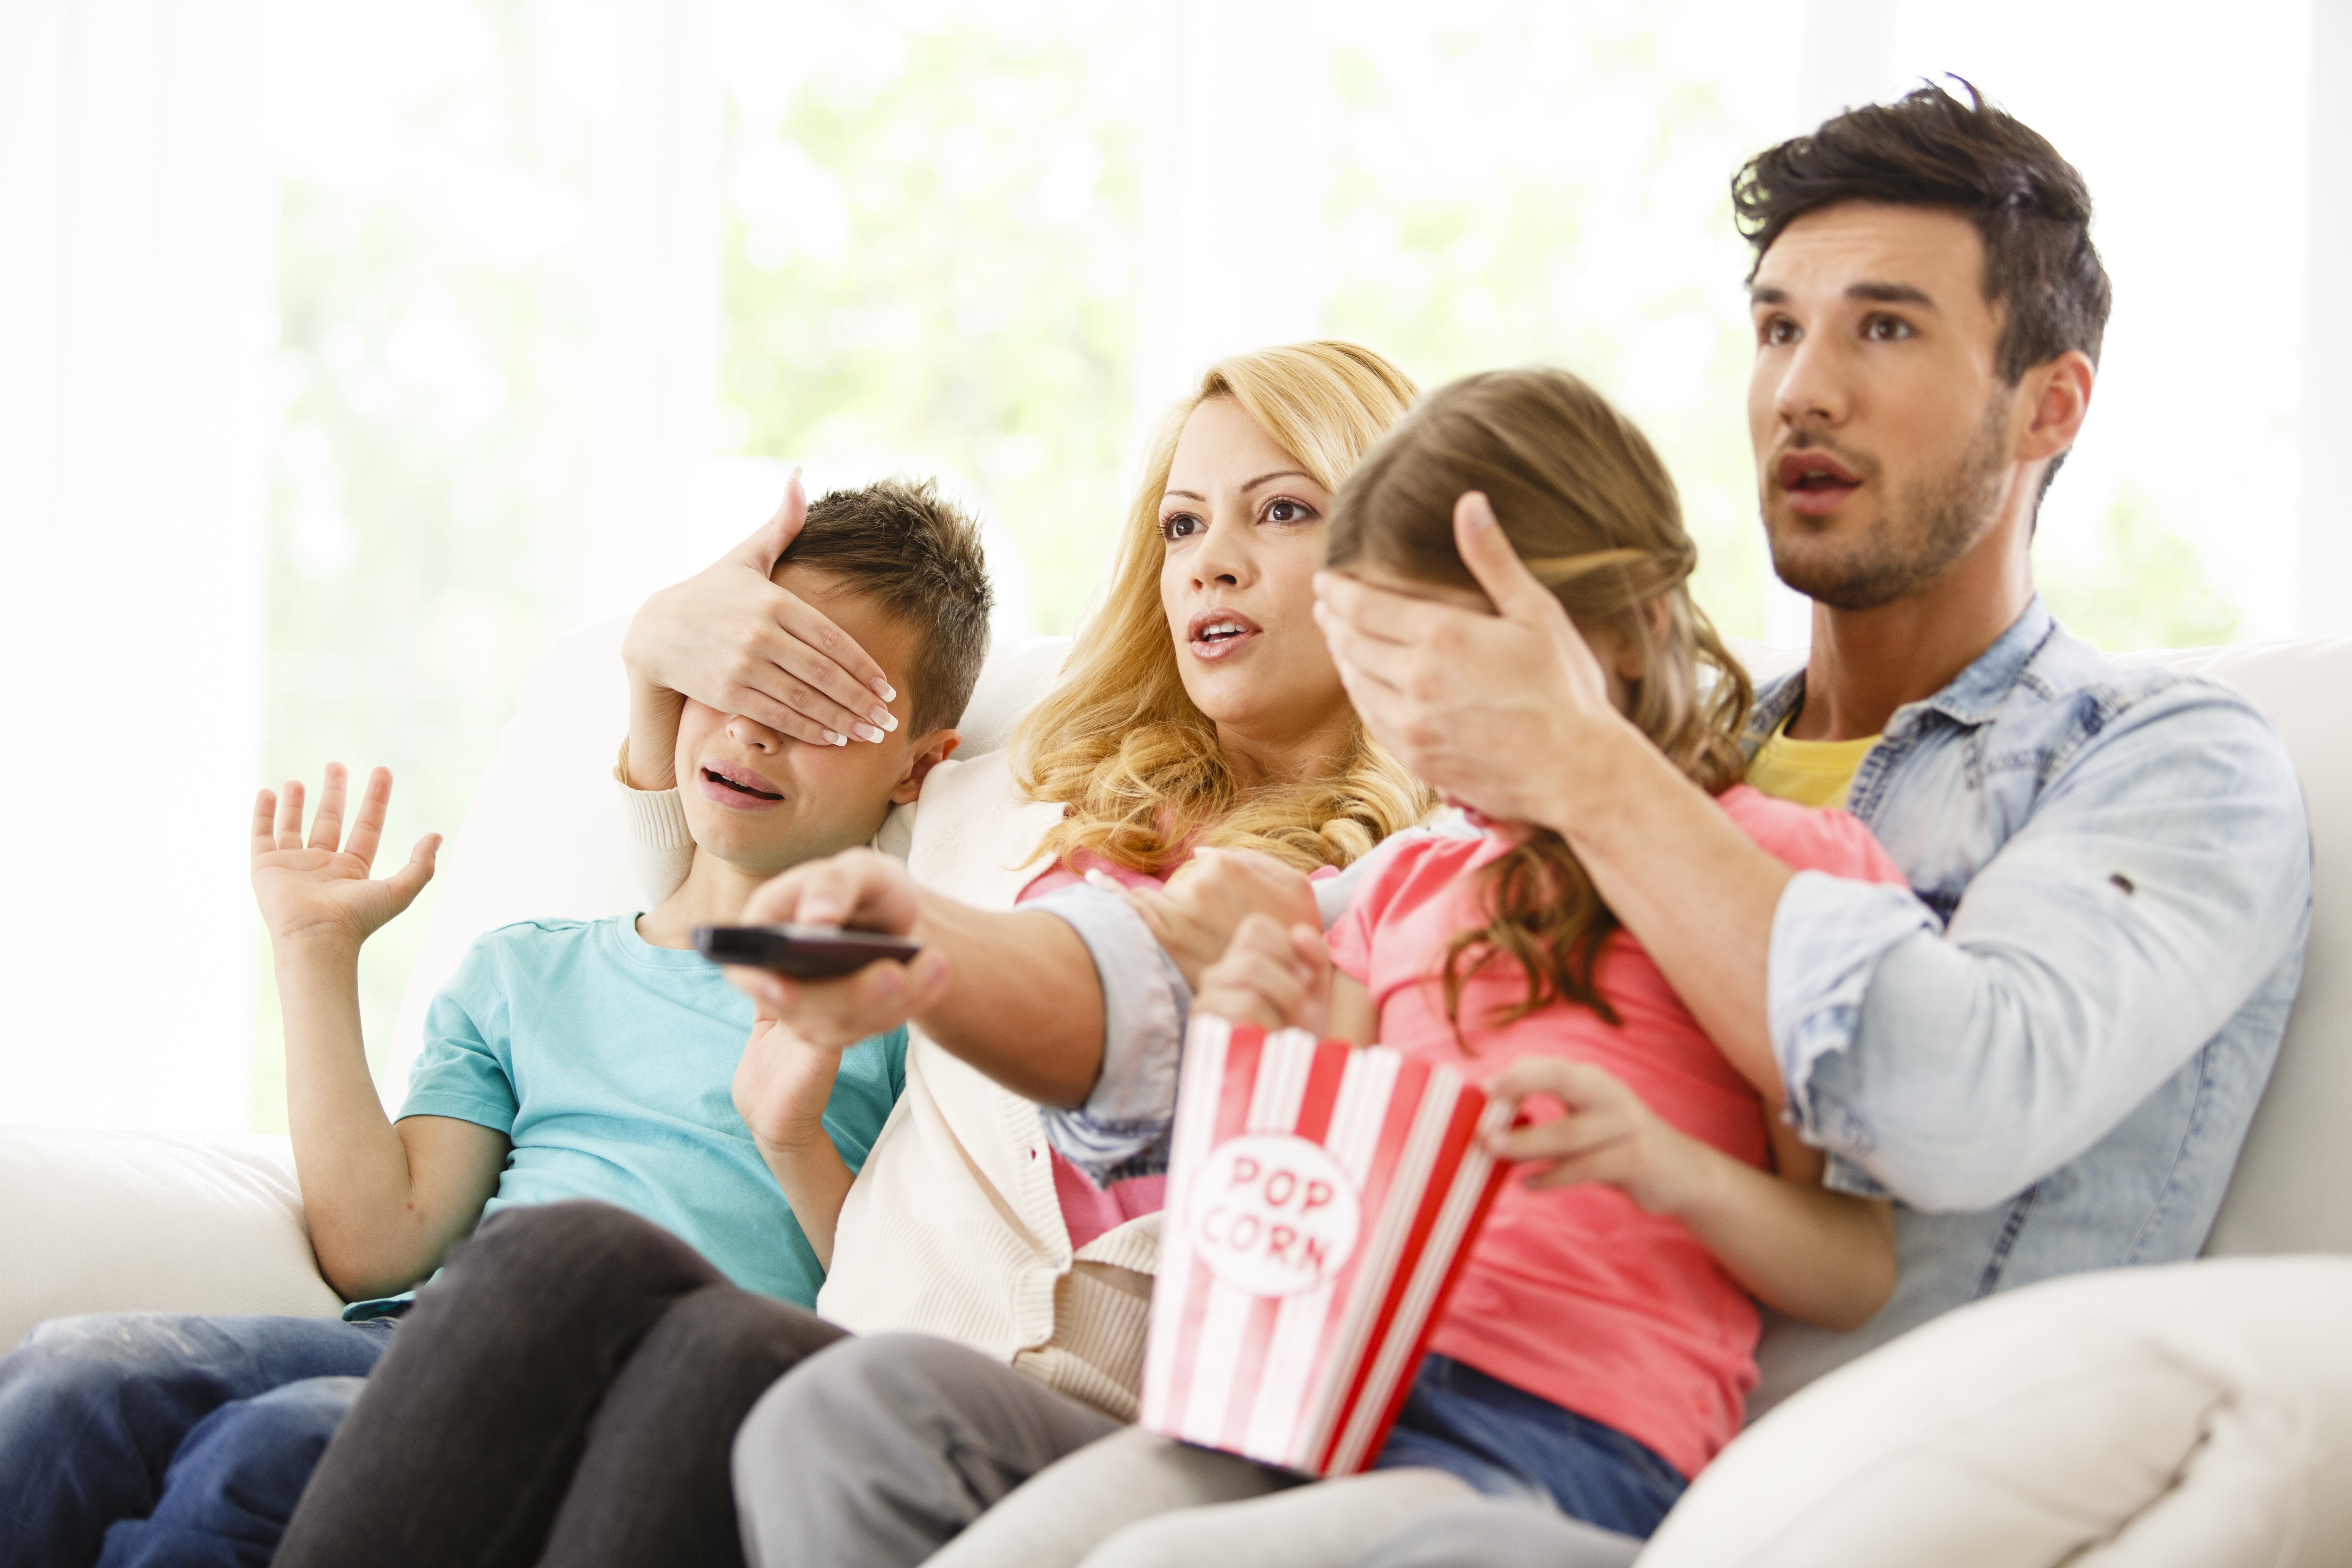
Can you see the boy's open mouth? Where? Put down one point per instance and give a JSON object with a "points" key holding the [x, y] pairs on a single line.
{"points": [[721, 781]]}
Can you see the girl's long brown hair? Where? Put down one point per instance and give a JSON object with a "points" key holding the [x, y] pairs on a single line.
{"points": [[1586, 503]]}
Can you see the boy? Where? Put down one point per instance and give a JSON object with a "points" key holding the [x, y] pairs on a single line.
{"points": [[566, 1059]]}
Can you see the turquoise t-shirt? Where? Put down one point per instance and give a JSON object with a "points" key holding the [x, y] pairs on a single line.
{"points": [[609, 1065]]}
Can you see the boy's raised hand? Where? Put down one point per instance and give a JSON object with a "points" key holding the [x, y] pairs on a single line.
{"points": [[321, 891], [1276, 978]]}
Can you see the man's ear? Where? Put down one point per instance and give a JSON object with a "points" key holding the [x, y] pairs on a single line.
{"points": [[2059, 394], [929, 752]]}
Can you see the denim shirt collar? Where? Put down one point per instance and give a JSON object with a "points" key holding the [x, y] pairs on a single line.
{"points": [[1970, 698]]}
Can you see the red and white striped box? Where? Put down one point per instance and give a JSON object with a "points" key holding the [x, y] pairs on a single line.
{"points": [[1320, 1200]]}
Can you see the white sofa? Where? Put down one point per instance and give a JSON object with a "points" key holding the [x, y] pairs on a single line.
{"points": [[2201, 1413]]}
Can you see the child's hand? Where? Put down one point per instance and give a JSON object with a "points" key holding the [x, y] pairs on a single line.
{"points": [[783, 1084], [1607, 1135], [1269, 976], [1194, 916], [319, 892]]}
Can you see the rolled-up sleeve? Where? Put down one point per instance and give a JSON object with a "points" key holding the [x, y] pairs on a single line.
{"points": [[1121, 1131], [2162, 877]]}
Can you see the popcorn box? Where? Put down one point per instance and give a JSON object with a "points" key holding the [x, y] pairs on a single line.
{"points": [[1320, 1200]]}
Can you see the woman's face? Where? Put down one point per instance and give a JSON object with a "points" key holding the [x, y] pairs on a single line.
{"points": [[1243, 526]]}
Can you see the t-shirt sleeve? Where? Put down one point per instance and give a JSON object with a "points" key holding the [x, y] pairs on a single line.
{"points": [[1815, 838], [463, 1071], [1351, 936]]}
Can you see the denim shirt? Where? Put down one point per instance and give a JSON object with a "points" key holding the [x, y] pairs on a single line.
{"points": [[2047, 1050]]}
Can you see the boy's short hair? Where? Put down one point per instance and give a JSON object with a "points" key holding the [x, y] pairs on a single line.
{"points": [[920, 558]]}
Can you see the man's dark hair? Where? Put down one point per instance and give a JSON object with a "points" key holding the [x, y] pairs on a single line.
{"points": [[1929, 148], [919, 558]]}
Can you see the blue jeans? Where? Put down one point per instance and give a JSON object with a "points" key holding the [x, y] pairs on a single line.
{"points": [[151, 1438], [1507, 1443]]}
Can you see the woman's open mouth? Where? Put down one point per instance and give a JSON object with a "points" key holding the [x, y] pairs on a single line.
{"points": [[738, 787], [1220, 633]]}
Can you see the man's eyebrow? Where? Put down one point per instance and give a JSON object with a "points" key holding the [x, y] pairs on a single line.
{"points": [[1877, 293], [1889, 294]]}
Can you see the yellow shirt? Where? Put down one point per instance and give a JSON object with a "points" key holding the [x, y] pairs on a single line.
{"points": [[1811, 773]]}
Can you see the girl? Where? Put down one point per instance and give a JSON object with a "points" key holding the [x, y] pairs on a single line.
{"points": [[1597, 1349]]}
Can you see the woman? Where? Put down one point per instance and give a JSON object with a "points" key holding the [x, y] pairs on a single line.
{"points": [[568, 1391]]}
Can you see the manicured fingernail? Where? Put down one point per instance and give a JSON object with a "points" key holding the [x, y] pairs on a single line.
{"points": [[882, 716], [867, 732], [884, 689], [832, 738]]}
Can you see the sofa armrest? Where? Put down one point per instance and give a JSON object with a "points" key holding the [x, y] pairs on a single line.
{"points": [[104, 1222]]}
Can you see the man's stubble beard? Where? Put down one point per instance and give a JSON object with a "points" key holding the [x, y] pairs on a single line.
{"points": [[1932, 522]]}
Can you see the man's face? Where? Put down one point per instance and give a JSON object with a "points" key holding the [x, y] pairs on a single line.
{"points": [[766, 802], [1885, 435]]}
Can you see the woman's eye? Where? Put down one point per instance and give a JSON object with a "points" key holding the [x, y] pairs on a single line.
{"points": [[1180, 525], [1282, 509]]}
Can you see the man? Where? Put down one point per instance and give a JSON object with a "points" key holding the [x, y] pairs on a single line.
{"points": [[2047, 1050]]}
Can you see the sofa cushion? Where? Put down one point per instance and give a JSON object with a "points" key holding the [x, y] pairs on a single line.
{"points": [[2196, 1414], [106, 1222]]}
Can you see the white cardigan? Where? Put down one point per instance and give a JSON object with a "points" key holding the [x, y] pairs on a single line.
{"points": [[953, 1226]]}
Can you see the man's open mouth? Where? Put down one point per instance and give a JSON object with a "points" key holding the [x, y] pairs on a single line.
{"points": [[733, 781]]}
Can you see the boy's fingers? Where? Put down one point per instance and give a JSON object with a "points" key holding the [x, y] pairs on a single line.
{"points": [[367, 823], [265, 813], [410, 880], [289, 816], [327, 825]]}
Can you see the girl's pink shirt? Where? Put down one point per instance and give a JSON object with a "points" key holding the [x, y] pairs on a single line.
{"points": [[1575, 1294]]}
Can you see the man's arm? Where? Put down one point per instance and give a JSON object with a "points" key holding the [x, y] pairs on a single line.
{"points": [[1509, 713], [2160, 880], [2054, 1003]]}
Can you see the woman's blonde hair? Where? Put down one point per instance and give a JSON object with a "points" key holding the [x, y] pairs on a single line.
{"points": [[1118, 742], [1584, 500]]}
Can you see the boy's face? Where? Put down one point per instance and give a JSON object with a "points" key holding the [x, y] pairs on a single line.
{"points": [[764, 802]]}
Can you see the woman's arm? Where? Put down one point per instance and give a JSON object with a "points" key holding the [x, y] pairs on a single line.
{"points": [[1816, 1255]]}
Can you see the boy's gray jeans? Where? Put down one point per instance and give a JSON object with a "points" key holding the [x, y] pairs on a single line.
{"points": [[902, 1448]]}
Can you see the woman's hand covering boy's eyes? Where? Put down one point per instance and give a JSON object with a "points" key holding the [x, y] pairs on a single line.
{"points": [[729, 638]]}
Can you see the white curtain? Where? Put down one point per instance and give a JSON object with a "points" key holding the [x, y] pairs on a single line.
{"points": [[136, 236]]}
